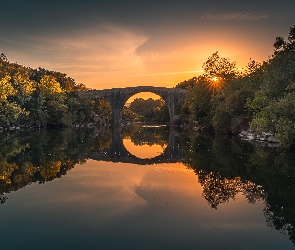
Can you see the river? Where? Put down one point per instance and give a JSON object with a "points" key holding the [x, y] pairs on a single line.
{"points": [[143, 187]]}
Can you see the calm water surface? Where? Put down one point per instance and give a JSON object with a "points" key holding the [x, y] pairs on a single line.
{"points": [[143, 188]]}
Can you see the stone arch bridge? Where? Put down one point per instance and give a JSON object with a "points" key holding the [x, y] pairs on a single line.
{"points": [[117, 98]]}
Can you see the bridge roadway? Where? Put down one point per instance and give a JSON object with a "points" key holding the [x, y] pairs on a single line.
{"points": [[117, 98], [173, 153]]}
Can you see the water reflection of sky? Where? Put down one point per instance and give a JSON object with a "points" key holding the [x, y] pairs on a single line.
{"points": [[143, 151], [102, 205]]}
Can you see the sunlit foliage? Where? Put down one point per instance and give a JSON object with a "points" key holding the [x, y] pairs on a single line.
{"points": [[43, 98], [6, 88]]}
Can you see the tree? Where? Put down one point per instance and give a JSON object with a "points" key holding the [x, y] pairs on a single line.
{"points": [[279, 117], [145, 108], [280, 44], [283, 46], [218, 68], [6, 88], [197, 104], [252, 67], [187, 83], [10, 111], [47, 103], [161, 114], [129, 115]]}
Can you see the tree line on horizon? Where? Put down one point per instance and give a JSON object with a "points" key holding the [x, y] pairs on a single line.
{"points": [[261, 98]]}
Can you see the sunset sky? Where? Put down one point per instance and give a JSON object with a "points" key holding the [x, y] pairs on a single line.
{"points": [[106, 44]]}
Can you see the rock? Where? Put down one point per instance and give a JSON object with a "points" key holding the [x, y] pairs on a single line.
{"points": [[250, 137], [245, 133], [272, 139], [267, 139]]}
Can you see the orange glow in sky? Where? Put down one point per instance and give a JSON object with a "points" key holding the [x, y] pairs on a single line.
{"points": [[143, 95], [144, 44]]}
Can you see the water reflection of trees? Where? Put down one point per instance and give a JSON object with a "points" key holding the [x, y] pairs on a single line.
{"points": [[226, 167], [141, 135], [218, 189], [43, 156], [274, 169]]}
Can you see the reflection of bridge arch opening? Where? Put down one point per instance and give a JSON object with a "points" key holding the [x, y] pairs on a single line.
{"points": [[146, 142], [145, 107], [117, 97]]}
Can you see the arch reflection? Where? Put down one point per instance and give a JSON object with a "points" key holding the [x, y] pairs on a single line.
{"points": [[143, 151], [145, 142]]}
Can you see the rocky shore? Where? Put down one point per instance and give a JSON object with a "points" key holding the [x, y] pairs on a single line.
{"points": [[267, 139]]}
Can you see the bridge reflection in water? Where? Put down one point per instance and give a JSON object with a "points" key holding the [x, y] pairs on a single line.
{"points": [[117, 152]]}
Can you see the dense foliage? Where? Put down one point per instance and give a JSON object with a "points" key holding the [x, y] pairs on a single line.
{"points": [[262, 97], [149, 111], [43, 98]]}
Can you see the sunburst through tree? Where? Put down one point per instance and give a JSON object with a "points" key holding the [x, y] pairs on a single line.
{"points": [[215, 84], [217, 71]]}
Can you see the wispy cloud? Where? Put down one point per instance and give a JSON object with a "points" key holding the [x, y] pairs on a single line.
{"points": [[102, 53], [243, 16]]}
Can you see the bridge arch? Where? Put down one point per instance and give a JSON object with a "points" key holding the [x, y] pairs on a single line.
{"points": [[117, 98]]}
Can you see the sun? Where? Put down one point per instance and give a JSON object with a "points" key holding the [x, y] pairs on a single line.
{"points": [[215, 84], [215, 79]]}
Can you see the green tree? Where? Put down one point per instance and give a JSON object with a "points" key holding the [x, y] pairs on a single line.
{"points": [[47, 103], [198, 104], [161, 114], [129, 115], [146, 108], [10, 111], [187, 83], [273, 102]]}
